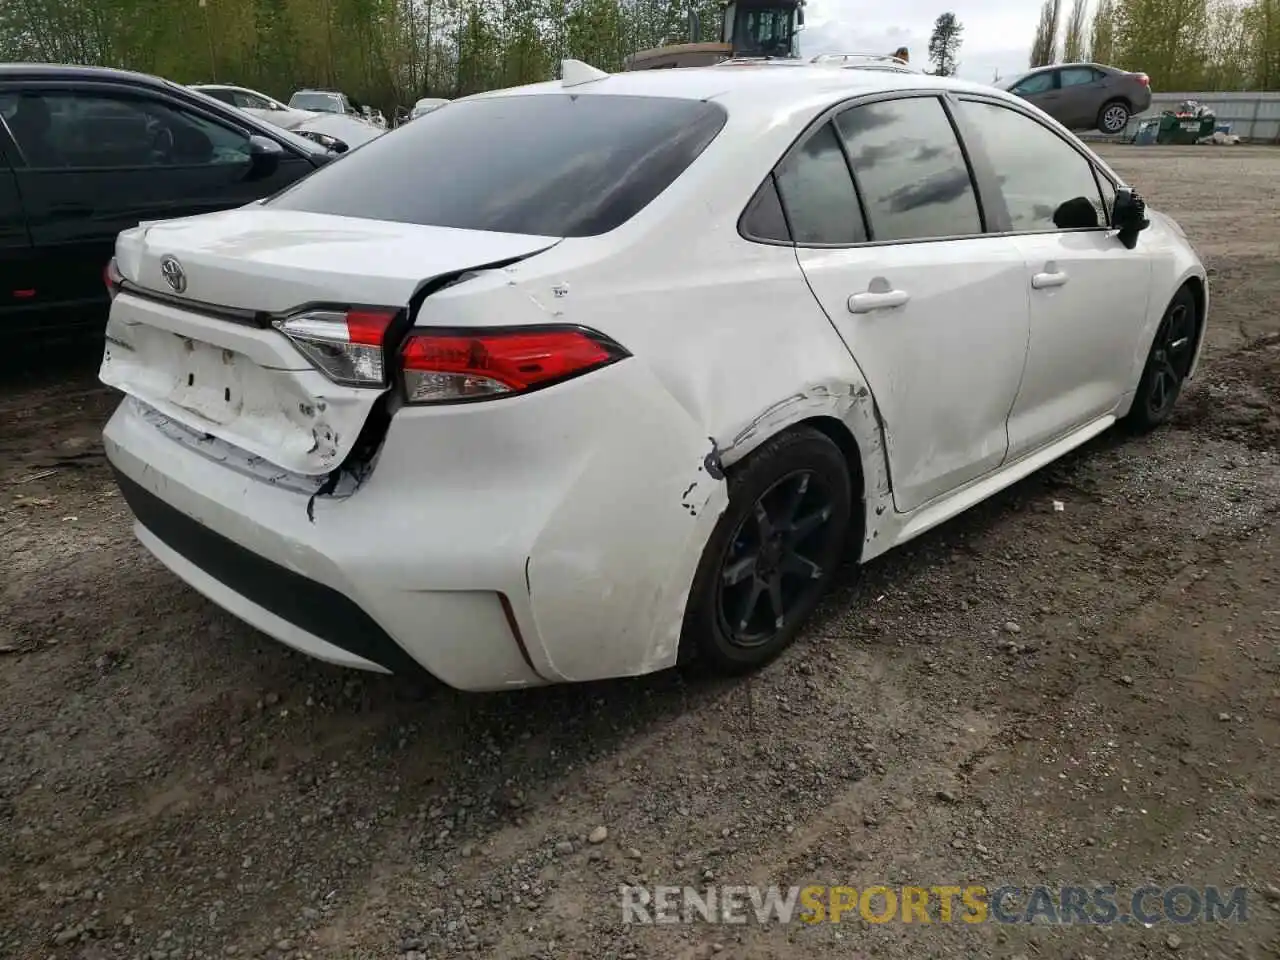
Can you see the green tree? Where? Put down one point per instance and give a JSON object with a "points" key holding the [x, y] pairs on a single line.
{"points": [[1262, 22], [1044, 49], [1163, 38], [1074, 47], [1227, 35], [944, 44], [1102, 35]]}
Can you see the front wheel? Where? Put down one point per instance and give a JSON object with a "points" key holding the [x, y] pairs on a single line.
{"points": [[773, 553], [1168, 363], [1113, 117]]}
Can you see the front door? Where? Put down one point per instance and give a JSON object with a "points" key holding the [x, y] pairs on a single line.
{"points": [[933, 311], [1088, 294], [1042, 90]]}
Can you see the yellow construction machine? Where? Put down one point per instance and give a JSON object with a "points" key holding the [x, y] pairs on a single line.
{"points": [[751, 31]]}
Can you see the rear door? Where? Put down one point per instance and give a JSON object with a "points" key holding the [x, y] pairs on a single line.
{"points": [[16, 292], [1088, 293], [1082, 91], [96, 159], [933, 309]]}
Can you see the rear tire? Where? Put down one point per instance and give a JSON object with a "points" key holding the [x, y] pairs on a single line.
{"points": [[1114, 117], [772, 554], [1168, 363]]}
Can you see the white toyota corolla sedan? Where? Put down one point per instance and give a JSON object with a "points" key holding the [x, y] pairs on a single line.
{"points": [[580, 379]]}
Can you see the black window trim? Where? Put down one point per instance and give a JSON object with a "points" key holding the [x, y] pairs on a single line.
{"points": [[137, 91], [980, 186], [988, 170]]}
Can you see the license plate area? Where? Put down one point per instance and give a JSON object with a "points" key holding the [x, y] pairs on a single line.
{"points": [[245, 385], [214, 382]]}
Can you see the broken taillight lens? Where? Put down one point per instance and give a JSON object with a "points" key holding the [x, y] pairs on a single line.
{"points": [[112, 277], [345, 345], [449, 366]]}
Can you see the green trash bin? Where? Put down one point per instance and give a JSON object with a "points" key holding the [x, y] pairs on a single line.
{"points": [[1184, 129]]}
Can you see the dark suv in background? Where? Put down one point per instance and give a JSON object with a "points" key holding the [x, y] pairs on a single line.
{"points": [[1084, 96], [86, 152]]}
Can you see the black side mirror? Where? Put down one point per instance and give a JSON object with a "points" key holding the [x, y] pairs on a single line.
{"points": [[264, 157], [1129, 216], [1078, 213]]}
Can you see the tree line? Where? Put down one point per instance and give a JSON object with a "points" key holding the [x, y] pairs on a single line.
{"points": [[386, 53], [1180, 44], [390, 52]]}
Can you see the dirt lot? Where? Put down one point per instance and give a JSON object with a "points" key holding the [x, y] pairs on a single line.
{"points": [[1029, 695]]}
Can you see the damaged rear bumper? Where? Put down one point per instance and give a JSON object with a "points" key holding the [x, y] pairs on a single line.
{"points": [[539, 540]]}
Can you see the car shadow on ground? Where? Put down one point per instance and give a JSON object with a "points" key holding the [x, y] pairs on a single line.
{"points": [[591, 720]]}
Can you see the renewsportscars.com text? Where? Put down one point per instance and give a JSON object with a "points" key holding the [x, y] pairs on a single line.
{"points": [[971, 903]]}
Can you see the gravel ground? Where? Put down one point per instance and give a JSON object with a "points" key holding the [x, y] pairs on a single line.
{"points": [[1028, 695]]}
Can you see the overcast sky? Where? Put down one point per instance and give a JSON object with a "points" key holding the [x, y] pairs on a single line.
{"points": [[997, 33]]}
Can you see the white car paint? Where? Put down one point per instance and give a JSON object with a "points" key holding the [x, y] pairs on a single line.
{"points": [[425, 106], [352, 131], [554, 536], [257, 104]]}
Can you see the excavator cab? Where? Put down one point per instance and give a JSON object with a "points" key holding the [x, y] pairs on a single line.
{"points": [[750, 29], [762, 28]]}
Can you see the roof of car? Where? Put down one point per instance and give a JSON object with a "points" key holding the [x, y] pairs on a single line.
{"points": [[754, 83], [1059, 66], [52, 71]]}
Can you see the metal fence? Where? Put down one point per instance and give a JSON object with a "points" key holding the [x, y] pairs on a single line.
{"points": [[1252, 116]]}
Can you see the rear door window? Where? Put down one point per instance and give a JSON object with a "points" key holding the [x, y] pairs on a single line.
{"points": [[1078, 76], [818, 194], [910, 170], [550, 165]]}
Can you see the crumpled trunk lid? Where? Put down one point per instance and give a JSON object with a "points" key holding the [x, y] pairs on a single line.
{"points": [[195, 341]]}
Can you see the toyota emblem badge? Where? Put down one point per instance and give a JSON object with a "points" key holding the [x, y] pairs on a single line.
{"points": [[174, 275]]}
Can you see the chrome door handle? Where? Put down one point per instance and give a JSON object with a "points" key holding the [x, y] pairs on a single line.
{"points": [[866, 302], [1042, 281]]}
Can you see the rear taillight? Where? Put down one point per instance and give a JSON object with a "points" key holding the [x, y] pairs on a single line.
{"points": [[346, 346], [112, 277], [442, 366], [1144, 79]]}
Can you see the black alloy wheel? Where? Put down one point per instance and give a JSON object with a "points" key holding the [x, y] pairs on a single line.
{"points": [[773, 553], [1168, 363]]}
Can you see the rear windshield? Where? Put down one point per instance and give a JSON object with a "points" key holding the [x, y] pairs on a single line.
{"points": [[219, 93], [320, 102], [550, 165]]}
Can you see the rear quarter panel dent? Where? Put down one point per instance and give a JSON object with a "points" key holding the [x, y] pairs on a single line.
{"points": [[616, 554]]}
